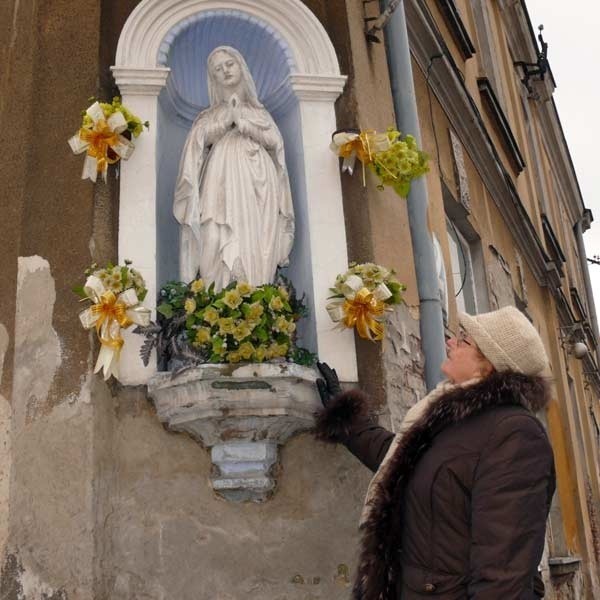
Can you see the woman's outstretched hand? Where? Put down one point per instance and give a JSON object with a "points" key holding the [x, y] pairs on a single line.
{"points": [[329, 386]]}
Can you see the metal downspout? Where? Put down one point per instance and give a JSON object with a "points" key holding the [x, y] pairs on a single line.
{"points": [[586, 276], [405, 106]]}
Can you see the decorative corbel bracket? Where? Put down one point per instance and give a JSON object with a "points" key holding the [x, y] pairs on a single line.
{"points": [[242, 413]]}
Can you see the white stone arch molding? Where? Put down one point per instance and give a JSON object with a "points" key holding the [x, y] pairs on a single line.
{"points": [[315, 80]]}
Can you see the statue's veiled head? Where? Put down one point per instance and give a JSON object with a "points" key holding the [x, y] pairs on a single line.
{"points": [[228, 72]]}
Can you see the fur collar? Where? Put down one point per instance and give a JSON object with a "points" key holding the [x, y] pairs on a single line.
{"points": [[376, 578]]}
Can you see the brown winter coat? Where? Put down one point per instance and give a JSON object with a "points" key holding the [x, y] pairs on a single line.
{"points": [[460, 511]]}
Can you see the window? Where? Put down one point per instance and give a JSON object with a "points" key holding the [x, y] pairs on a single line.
{"points": [[467, 268], [462, 270]]}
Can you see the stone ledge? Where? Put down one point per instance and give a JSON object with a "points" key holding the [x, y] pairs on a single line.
{"points": [[563, 565], [243, 413]]}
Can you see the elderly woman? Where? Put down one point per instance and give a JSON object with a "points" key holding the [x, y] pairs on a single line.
{"points": [[458, 505]]}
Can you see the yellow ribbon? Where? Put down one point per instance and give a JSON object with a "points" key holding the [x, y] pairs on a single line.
{"points": [[362, 312], [100, 138], [109, 313], [101, 141], [110, 309], [361, 145]]}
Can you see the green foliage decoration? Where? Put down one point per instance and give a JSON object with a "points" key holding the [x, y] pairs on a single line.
{"points": [[239, 323], [400, 163]]}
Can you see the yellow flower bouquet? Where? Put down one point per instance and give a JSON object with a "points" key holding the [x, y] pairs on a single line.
{"points": [[105, 135], [239, 323], [395, 160], [362, 296], [114, 295]]}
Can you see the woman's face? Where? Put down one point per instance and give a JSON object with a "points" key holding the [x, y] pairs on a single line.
{"points": [[226, 69], [465, 360]]}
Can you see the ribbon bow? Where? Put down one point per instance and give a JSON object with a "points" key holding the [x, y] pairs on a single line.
{"points": [[363, 145], [109, 314], [103, 142], [361, 308]]}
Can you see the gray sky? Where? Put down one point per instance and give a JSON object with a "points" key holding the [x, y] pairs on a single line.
{"points": [[572, 30]]}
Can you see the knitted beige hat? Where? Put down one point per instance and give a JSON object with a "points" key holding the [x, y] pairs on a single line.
{"points": [[507, 339]]}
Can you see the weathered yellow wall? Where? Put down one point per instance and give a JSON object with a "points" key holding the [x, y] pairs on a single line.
{"points": [[569, 418]]}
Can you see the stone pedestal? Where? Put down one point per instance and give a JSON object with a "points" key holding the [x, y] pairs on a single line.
{"points": [[243, 413]]}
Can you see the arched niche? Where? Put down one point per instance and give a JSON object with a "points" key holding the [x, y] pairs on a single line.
{"points": [[185, 51], [160, 70]]}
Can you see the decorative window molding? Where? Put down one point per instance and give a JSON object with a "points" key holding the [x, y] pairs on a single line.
{"points": [[467, 265], [560, 159], [566, 315], [581, 315], [462, 181], [519, 33], [553, 247], [461, 264], [142, 71], [502, 124], [578, 304], [522, 292], [500, 281], [457, 28], [487, 52], [589, 332], [442, 280]]}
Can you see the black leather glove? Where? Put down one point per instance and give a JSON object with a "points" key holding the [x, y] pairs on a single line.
{"points": [[329, 386]]}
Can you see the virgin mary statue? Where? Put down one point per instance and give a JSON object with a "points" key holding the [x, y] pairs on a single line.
{"points": [[232, 196]]}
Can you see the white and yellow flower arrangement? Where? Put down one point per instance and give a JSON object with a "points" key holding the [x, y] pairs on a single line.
{"points": [[115, 293], [106, 136], [395, 160], [362, 297]]}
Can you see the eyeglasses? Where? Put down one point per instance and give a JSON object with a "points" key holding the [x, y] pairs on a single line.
{"points": [[461, 337]]}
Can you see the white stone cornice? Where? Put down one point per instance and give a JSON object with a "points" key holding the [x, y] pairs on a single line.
{"points": [[140, 81], [318, 88], [560, 159], [523, 46], [517, 31], [148, 26]]}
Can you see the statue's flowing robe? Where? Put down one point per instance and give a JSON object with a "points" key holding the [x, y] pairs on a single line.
{"points": [[233, 199]]}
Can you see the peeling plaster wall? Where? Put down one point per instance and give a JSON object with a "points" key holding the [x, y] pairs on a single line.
{"points": [[569, 587], [499, 280], [37, 348], [53, 473], [403, 363], [173, 539], [54, 503], [5, 449]]}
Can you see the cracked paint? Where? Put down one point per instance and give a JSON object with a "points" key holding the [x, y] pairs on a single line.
{"points": [[5, 455], [19, 583], [37, 347]]}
